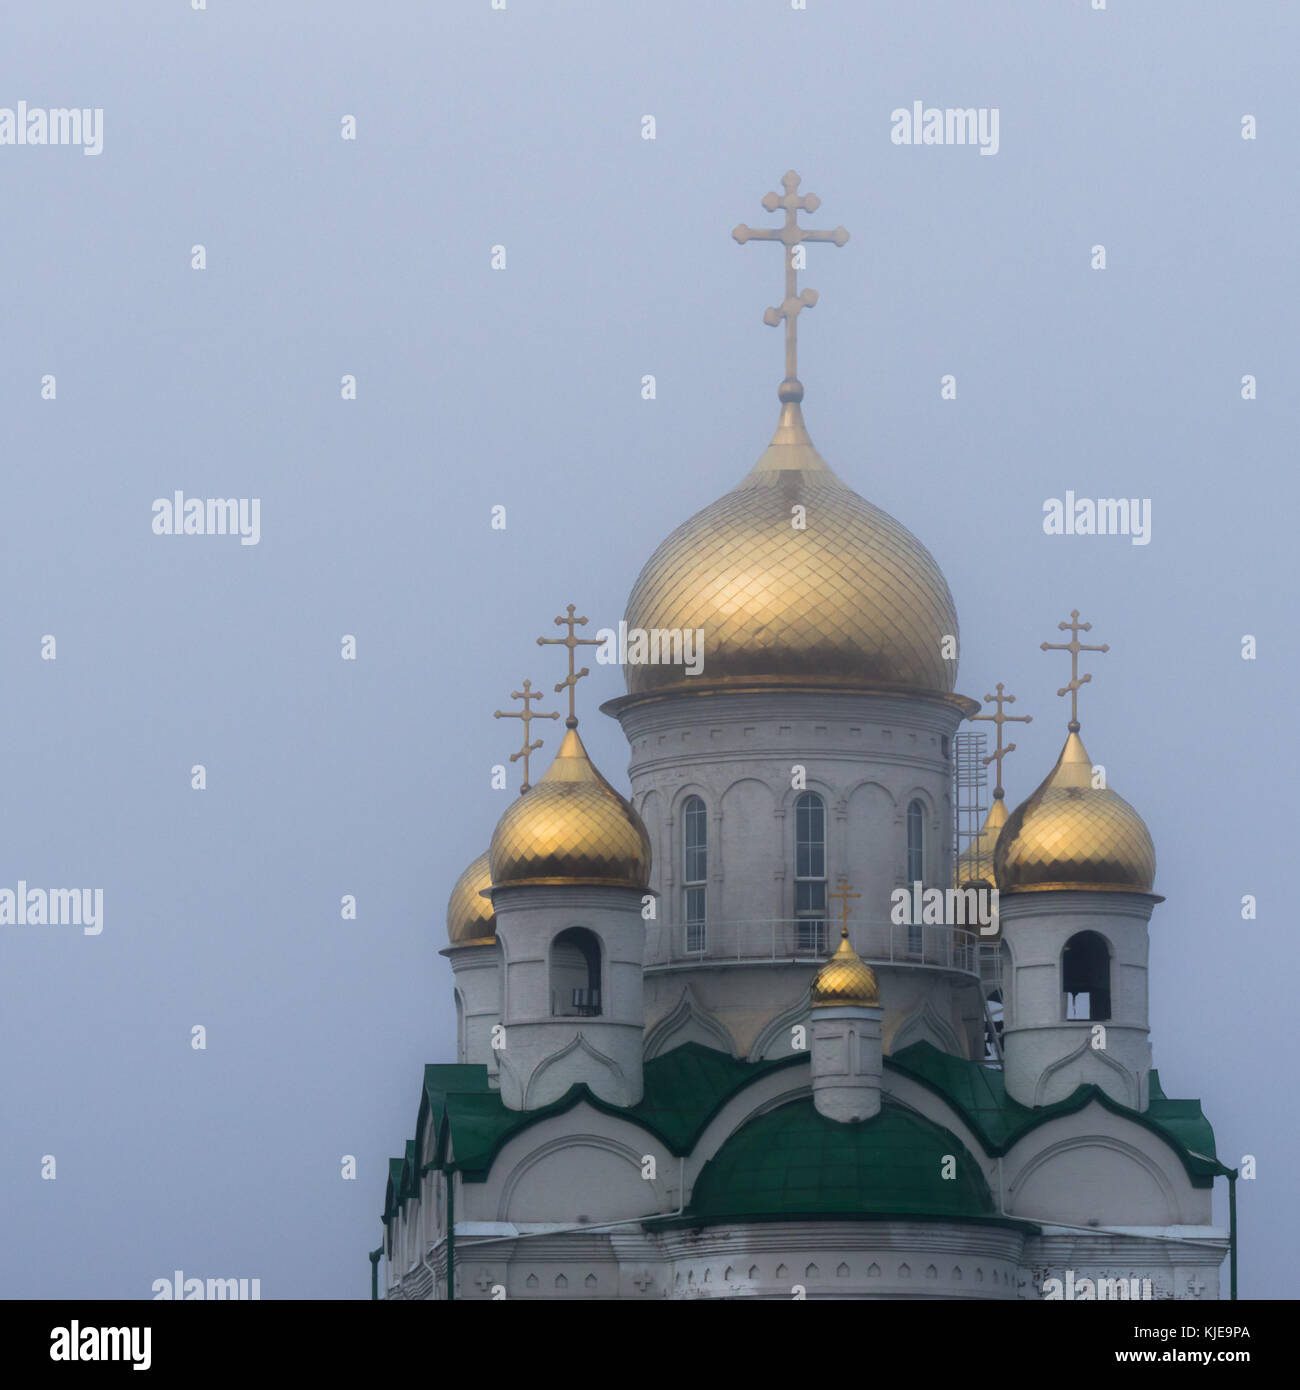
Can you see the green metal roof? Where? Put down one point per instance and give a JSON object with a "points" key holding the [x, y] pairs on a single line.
{"points": [[685, 1089], [794, 1163], [442, 1080], [978, 1094], [394, 1193]]}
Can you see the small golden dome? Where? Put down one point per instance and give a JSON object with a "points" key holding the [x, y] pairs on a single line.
{"points": [[845, 979], [975, 863], [850, 601], [572, 827], [470, 918], [1070, 834]]}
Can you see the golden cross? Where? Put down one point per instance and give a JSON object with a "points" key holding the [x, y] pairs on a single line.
{"points": [[1074, 627], [998, 720], [573, 643], [842, 896], [527, 714], [791, 234]]}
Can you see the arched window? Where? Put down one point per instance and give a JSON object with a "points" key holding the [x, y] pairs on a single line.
{"points": [[575, 973], [810, 873], [915, 843], [1085, 976], [695, 870]]}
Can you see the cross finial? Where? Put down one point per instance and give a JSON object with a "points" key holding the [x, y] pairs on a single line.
{"points": [[842, 896], [790, 235], [573, 643], [1074, 627], [998, 720], [527, 714]]}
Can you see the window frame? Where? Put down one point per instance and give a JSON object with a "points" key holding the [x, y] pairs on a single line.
{"points": [[695, 874], [810, 921]]}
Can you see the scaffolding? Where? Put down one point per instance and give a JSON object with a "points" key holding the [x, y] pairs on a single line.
{"points": [[970, 780]]}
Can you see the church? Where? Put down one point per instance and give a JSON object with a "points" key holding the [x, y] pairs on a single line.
{"points": [[703, 1049]]}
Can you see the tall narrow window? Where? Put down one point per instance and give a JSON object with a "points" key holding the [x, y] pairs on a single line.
{"points": [[1085, 976], [915, 869], [915, 843], [695, 871], [810, 873]]}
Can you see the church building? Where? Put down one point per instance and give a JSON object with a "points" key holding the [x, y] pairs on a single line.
{"points": [[771, 1025]]}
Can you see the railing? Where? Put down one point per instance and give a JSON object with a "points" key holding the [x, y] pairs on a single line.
{"points": [[990, 966], [801, 939]]}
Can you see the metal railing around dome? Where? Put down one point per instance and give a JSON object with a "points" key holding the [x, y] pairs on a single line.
{"points": [[794, 940]]}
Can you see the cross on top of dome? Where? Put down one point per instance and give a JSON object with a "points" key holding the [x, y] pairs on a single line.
{"points": [[1074, 627], [572, 642], [791, 235], [842, 896], [998, 720], [527, 714]]}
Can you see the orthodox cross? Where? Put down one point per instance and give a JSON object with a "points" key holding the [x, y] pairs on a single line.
{"points": [[573, 643], [998, 720], [842, 896], [790, 235], [527, 714], [1074, 627]]}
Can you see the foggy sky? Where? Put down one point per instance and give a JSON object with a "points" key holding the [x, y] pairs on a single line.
{"points": [[522, 387]]}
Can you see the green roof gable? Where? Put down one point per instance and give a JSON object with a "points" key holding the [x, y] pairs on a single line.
{"points": [[979, 1095], [393, 1192], [683, 1090]]}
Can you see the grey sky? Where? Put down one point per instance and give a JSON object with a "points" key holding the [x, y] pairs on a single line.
{"points": [[522, 387]]}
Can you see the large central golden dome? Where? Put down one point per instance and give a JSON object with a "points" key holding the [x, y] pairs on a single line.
{"points": [[852, 600]]}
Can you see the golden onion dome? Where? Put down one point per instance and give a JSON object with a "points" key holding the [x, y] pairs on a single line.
{"points": [[845, 979], [850, 600], [1070, 834], [572, 827], [470, 918], [975, 863]]}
